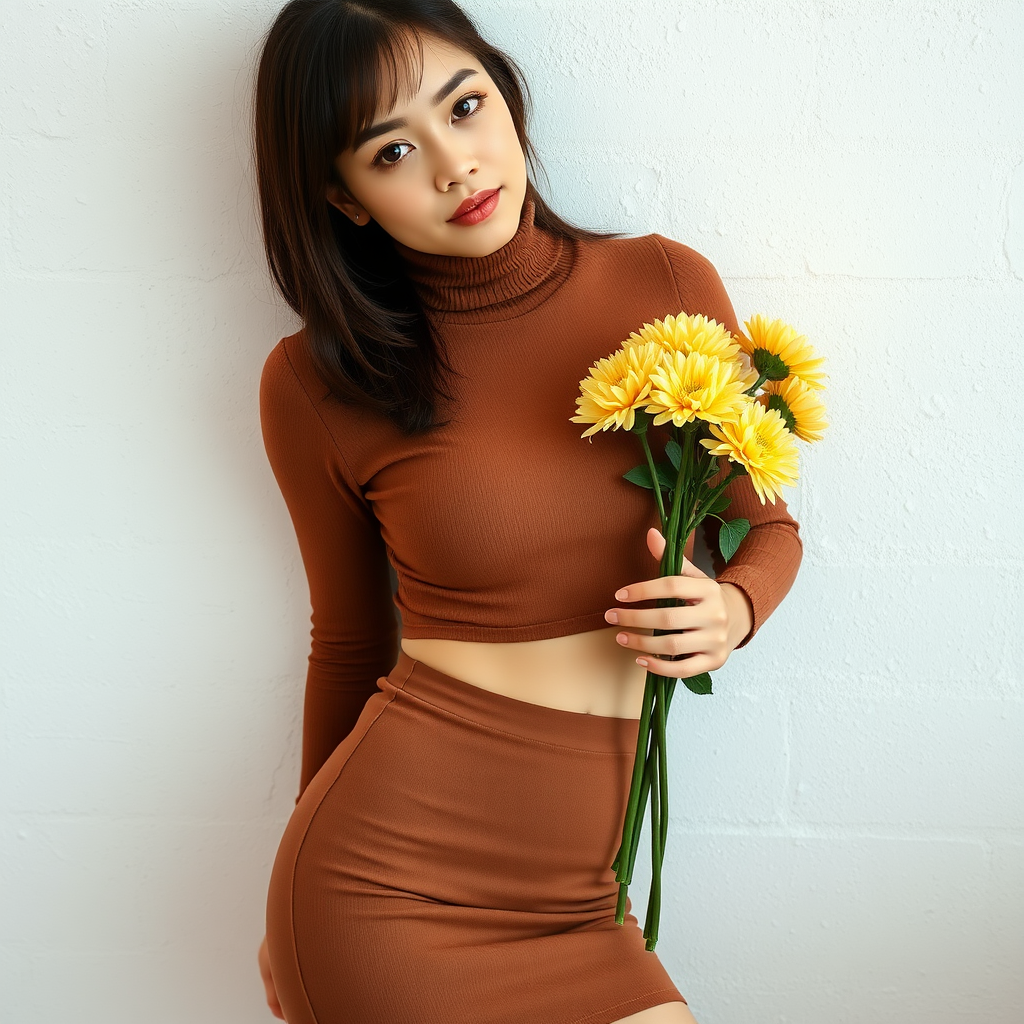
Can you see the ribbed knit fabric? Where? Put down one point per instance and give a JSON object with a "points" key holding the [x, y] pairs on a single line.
{"points": [[505, 525], [450, 863]]}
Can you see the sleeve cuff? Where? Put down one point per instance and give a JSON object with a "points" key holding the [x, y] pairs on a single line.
{"points": [[766, 574]]}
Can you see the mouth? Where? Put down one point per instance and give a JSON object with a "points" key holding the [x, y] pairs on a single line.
{"points": [[473, 201]]}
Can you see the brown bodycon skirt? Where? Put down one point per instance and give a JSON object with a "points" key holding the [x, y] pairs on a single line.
{"points": [[450, 864]]}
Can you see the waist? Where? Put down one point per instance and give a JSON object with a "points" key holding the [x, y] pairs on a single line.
{"points": [[588, 673]]}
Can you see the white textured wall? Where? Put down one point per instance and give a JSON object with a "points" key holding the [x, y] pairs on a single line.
{"points": [[847, 840]]}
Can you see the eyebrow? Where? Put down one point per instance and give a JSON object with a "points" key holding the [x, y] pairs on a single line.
{"points": [[400, 122]]}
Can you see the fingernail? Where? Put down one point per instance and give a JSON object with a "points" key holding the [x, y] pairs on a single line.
{"points": [[642, 661], [612, 616], [621, 595], [622, 638]]}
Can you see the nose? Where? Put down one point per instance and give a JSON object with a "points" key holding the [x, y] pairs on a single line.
{"points": [[454, 166]]}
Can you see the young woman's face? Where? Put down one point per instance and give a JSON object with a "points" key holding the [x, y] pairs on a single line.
{"points": [[412, 177]]}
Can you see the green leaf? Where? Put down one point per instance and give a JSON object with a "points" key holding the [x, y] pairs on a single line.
{"points": [[640, 475], [731, 535], [674, 453], [699, 684], [666, 477], [719, 505]]}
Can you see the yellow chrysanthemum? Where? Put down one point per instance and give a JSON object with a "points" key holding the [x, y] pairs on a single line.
{"points": [[776, 350], [799, 405], [618, 385], [688, 334], [695, 386], [759, 441]]}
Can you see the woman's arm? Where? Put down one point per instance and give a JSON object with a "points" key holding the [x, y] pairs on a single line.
{"points": [[765, 564], [354, 623]]}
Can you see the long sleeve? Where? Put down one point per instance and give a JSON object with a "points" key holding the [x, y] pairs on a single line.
{"points": [[766, 563], [354, 625]]}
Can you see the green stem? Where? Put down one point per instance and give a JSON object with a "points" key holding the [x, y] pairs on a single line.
{"points": [[623, 866], [687, 464], [659, 823], [634, 846], [757, 383], [686, 492], [630, 821], [650, 768], [678, 501], [655, 892], [654, 479], [620, 909], [710, 497], [650, 764], [661, 719]]}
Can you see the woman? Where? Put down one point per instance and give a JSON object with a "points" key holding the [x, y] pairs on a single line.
{"points": [[463, 791]]}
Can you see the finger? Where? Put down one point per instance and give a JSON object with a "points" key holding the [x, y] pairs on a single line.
{"points": [[689, 665], [666, 643], [686, 587], [687, 616]]}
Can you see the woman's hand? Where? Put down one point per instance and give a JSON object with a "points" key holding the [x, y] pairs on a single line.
{"points": [[717, 617], [268, 981]]}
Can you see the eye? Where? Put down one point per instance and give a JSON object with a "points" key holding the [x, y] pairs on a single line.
{"points": [[379, 160], [391, 147], [465, 99]]}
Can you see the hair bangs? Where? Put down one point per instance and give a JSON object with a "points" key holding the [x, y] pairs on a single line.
{"points": [[385, 64]]}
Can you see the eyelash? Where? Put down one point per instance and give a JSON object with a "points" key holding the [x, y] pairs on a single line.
{"points": [[377, 162]]}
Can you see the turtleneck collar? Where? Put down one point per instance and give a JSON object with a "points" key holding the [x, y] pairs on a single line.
{"points": [[504, 284]]}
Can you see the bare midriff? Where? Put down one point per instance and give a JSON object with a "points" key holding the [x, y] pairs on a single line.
{"points": [[589, 673]]}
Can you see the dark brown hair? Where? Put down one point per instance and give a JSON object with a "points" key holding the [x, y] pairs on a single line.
{"points": [[324, 68]]}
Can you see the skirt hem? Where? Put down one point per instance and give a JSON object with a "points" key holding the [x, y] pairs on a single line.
{"points": [[617, 1011]]}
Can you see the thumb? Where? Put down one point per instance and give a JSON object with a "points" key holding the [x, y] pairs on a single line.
{"points": [[656, 542], [656, 545]]}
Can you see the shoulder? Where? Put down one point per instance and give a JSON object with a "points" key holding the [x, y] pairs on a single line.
{"points": [[698, 283], [289, 405], [303, 422], [284, 402], [686, 265], [287, 369], [689, 267], [277, 371], [667, 268]]}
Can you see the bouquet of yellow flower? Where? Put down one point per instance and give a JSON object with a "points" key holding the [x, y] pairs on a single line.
{"points": [[693, 372]]}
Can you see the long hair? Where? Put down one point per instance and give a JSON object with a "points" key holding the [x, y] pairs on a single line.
{"points": [[324, 68]]}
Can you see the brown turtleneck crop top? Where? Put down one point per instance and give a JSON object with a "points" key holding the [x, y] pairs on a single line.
{"points": [[505, 525]]}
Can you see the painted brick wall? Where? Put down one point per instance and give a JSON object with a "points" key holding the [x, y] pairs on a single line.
{"points": [[847, 839]]}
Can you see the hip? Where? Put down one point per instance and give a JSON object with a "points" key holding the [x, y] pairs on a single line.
{"points": [[448, 792]]}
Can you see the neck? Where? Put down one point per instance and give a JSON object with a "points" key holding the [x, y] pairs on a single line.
{"points": [[503, 283]]}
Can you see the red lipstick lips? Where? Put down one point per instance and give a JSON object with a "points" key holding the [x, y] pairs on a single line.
{"points": [[478, 198]]}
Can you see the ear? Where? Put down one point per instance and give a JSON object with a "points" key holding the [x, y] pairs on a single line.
{"points": [[341, 200]]}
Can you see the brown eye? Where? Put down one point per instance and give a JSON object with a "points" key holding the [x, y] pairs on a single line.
{"points": [[390, 149], [466, 100]]}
